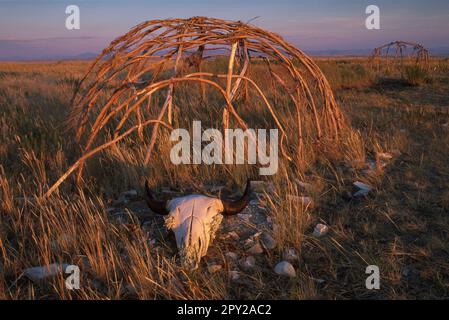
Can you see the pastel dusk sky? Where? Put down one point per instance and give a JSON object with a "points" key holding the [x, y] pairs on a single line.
{"points": [[36, 29]]}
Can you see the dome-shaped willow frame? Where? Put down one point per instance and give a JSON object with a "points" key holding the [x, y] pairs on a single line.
{"points": [[398, 52], [121, 74]]}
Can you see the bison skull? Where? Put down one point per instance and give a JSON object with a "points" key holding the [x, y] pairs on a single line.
{"points": [[194, 219]]}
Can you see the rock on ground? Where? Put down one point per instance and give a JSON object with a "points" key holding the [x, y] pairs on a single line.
{"points": [[38, 274], [320, 230], [256, 249], [268, 241], [291, 255], [364, 189], [248, 263], [284, 268], [234, 275]]}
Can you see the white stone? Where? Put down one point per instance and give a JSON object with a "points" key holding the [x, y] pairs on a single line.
{"points": [[284, 268], [320, 230], [363, 186], [37, 274], [364, 189]]}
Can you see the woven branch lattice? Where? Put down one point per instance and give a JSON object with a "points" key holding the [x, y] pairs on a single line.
{"points": [[134, 68], [400, 52]]}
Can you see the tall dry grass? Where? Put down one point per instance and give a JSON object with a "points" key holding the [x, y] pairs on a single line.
{"points": [[118, 256]]}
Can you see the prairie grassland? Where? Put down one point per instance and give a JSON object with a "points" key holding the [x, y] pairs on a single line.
{"points": [[402, 226]]}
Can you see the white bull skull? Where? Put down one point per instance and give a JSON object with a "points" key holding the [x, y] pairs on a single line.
{"points": [[194, 219]]}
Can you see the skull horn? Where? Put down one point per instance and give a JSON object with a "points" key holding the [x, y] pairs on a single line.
{"points": [[159, 207], [234, 207]]}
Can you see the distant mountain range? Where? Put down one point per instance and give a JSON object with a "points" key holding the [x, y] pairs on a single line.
{"points": [[441, 51], [82, 56]]}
